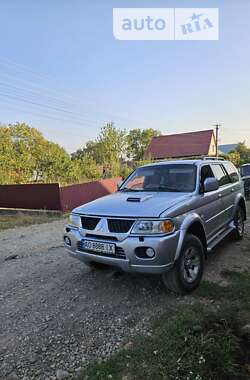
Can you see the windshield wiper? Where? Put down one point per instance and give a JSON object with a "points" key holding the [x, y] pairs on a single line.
{"points": [[126, 189], [170, 189]]}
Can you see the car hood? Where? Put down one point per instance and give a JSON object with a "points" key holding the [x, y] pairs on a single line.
{"points": [[133, 204]]}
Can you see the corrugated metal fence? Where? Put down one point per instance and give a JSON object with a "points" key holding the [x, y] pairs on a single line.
{"points": [[75, 195], [54, 197]]}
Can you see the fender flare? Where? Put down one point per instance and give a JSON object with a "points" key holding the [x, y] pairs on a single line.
{"points": [[186, 224], [240, 198]]}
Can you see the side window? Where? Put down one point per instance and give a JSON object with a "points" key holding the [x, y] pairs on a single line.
{"points": [[206, 172], [220, 174], [232, 171]]}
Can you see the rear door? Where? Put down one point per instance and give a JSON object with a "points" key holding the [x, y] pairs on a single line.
{"points": [[224, 192], [235, 186], [211, 207]]}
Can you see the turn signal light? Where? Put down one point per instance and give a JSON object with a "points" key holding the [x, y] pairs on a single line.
{"points": [[167, 226]]}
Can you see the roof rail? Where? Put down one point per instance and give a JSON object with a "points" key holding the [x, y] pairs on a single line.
{"points": [[214, 158]]}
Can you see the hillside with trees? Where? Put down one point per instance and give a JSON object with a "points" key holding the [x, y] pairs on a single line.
{"points": [[27, 157]]}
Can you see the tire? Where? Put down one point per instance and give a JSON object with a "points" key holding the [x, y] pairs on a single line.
{"points": [[187, 272], [239, 223]]}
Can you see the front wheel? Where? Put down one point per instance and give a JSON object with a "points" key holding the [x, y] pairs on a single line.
{"points": [[187, 272]]}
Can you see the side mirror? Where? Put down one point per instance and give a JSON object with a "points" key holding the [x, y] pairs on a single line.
{"points": [[119, 185], [210, 184]]}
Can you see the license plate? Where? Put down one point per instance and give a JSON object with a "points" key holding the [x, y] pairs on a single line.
{"points": [[97, 246]]}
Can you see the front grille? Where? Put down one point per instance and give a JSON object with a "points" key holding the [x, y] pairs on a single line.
{"points": [[101, 237], [89, 223], [119, 252], [120, 225]]}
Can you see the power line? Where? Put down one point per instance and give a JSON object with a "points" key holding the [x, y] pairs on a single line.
{"points": [[54, 118], [17, 97], [23, 68]]}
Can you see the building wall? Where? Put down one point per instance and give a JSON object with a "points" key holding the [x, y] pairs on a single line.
{"points": [[212, 147]]}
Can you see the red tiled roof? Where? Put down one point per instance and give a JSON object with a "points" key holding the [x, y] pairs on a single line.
{"points": [[180, 145]]}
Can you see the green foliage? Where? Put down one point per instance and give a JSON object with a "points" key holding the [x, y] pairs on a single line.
{"points": [[240, 155], [20, 149], [113, 146], [26, 156], [138, 141], [234, 157], [125, 170], [87, 168]]}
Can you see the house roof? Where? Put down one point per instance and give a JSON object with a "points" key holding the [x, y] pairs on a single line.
{"points": [[180, 145]]}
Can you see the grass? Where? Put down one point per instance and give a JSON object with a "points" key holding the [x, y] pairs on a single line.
{"points": [[25, 219], [201, 341], [198, 342]]}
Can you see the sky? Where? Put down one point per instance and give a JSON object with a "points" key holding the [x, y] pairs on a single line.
{"points": [[63, 72]]}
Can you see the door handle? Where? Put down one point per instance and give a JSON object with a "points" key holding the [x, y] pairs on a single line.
{"points": [[219, 195], [232, 190]]}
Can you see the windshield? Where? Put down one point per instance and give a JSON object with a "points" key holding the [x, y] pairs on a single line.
{"points": [[168, 178], [245, 170]]}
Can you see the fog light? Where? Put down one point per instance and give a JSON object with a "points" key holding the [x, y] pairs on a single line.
{"points": [[150, 252], [67, 240]]}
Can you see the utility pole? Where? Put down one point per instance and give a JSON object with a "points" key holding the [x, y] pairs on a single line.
{"points": [[217, 126]]}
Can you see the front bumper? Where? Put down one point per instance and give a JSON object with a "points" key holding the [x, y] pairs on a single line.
{"points": [[164, 246]]}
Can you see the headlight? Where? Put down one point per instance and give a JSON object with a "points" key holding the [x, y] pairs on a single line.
{"points": [[153, 227], [75, 220]]}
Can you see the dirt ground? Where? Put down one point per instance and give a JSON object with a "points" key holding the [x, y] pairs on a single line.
{"points": [[56, 314]]}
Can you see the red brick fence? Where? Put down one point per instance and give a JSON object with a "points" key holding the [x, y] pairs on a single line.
{"points": [[52, 196]]}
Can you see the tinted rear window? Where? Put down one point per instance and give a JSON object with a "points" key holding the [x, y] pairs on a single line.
{"points": [[232, 171], [220, 174]]}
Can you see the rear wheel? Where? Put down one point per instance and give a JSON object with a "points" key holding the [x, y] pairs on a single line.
{"points": [[187, 272], [239, 223]]}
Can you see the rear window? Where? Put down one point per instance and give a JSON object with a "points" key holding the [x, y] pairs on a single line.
{"points": [[232, 171], [220, 174]]}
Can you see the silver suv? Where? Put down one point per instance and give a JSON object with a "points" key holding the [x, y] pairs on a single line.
{"points": [[165, 218]]}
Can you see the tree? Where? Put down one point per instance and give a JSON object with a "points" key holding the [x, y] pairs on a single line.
{"points": [[111, 144], [107, 150], [88, 169], [54, 165], [240, 155], [234, 157], [138, 141], [19, 151], [26, 156], [244, 153]]}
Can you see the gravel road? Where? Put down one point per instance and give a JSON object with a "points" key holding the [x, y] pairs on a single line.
{"points": [[56, 314]]}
